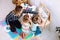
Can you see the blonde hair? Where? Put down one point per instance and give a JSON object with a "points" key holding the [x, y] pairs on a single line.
{"points": [[25, 17], [18, 2]]}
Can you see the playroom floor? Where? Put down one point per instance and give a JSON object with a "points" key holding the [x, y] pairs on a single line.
{"points": [[46, 35]]}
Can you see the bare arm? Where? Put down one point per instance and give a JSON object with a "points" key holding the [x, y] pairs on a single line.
{"points": [[30, 22]]}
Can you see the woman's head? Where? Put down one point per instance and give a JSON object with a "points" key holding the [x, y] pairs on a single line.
{"points": [[18, 8], [35, 18], [25, 18]]}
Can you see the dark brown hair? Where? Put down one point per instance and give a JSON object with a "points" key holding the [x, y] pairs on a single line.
{"points": [[18, 8], [35, 17]]}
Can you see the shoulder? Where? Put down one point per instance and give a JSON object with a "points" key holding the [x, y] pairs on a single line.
{"points": [[10, 13]]}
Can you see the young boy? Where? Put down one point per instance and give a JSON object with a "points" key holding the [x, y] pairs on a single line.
{"points": [[35, 26]]}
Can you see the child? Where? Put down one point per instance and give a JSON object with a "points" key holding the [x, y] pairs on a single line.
{"points": [[35, 26], [26, 24]]}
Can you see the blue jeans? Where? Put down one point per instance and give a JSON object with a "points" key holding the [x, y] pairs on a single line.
{"points": [[28, 11], [37, 32]]}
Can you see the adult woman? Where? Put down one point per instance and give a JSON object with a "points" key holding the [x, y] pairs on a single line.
{"points": [[12, 19]]}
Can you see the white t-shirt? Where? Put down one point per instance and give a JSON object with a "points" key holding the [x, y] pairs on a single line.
{"points": [[34, 26]]}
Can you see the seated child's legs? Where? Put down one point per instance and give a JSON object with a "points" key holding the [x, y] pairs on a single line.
{"points": [[38, 31], [22, 34]]}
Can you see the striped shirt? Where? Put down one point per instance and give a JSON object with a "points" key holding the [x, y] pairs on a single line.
{"points": [[11, 17]]}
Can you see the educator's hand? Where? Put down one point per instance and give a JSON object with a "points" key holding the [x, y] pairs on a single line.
{"points": [[8, 25]]}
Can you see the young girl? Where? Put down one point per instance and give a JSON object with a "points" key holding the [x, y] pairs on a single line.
{"points": [[26, 24], [12, 19]]}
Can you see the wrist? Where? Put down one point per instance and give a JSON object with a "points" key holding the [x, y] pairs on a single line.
{"points": [[8, 25]]}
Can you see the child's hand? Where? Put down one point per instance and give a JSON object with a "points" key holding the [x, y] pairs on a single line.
{"points": [[30, 26]]}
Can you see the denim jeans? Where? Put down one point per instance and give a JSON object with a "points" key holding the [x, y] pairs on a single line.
{"points": [[28, 11], [37, 32]]}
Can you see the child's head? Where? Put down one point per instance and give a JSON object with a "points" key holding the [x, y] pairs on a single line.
{"points": [[25, 17], [35, 18]]}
